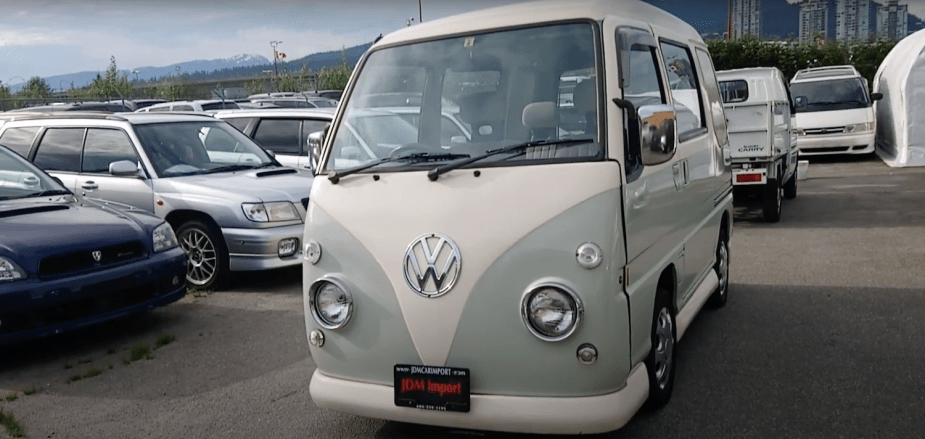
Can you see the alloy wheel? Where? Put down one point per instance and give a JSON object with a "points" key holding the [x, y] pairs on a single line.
{"points": [[202, 257], [664, 348]]}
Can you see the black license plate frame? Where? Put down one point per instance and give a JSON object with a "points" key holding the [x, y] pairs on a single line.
{"points": [[437, 388]]}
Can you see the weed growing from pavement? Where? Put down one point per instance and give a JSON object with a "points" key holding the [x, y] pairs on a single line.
{"points": [[140, 350], [90, 373], [110, 351], [11, 397], [67, 365], [29, 391], [164, 340], [74, 378], [109, 365], [12, 427], [84, 360], [126, 361]]}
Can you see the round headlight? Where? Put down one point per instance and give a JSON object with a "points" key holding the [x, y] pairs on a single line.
{"points": [[331, 304], [551, 312]]}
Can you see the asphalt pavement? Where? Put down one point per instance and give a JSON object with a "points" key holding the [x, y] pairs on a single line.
{"points": [[822, 337]]}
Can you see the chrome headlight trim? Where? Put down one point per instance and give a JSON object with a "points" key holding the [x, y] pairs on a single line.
{"points": [[525, 312], [312, 302]]}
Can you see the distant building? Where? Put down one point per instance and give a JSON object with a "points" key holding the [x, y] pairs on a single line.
{"points": [[745, 18], [892, 21], [852, 20], [814, 19]]}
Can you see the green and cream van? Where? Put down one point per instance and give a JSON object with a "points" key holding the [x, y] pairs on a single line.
{"points": [[534, 274]]}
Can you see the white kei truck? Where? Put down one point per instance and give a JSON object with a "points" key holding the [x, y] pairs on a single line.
{"points": [[536, 274], [762, 138]]}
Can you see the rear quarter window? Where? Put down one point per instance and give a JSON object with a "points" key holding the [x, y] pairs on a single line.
{"points": [[59, 149], [733, 91], [19, 139]]}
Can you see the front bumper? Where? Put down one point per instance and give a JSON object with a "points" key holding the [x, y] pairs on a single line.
{"points": [[862, 143], [521, 414], [258, 249], [35, 308]]}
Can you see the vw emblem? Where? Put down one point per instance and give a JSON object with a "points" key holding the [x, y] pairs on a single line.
{"points": [[97, 255], [431, 264]]}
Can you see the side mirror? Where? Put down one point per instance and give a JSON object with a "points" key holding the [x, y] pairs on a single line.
{"points": [[657, 123], [123, 168], [315, 140], [876, 96], [800, 101]]}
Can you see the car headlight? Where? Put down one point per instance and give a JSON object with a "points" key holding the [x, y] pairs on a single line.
{"points": [[9, 271], [551, 311], [164, 238], [266, 212], [331, 303], [858, 127]]}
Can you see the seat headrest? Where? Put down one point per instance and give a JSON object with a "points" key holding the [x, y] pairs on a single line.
{"points": [[585, 96], [481, 107], [541, 115]]}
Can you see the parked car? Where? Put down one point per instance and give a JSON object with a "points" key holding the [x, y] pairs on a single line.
{"points": [[283, 131], [278, 94], [110, 107], [233, 206], [65, 264], [298, 102], [331, 94], [533, 278], [834, 111], [198, 105], [761, 135], [137, 104]]}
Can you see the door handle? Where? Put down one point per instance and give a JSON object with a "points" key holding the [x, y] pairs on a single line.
{"points": [[641, 196], [89, 185]]}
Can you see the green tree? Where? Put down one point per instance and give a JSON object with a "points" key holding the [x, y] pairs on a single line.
{"points": [[334, 78], [175, 87], [36, 87], [256, 86], [292, 82], [6, 101], [112, 85]]}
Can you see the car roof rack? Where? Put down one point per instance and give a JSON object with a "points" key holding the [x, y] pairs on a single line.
{"points": [[66, 115], [825, 72]]}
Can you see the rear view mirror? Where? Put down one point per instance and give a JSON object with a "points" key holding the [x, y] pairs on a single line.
{"points": [[657, 123], [800, 101], [123, 168], [876, 96], [315, 141]]}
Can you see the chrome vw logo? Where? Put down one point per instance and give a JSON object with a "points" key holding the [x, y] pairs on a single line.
{"points": [[432, 263], [97, 255]]}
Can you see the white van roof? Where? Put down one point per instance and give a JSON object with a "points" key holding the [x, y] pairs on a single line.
{"points": [[823, 73], [524, 14], [764, 83]]}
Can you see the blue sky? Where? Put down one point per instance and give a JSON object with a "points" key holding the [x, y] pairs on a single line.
{"points": [[52, 37]]}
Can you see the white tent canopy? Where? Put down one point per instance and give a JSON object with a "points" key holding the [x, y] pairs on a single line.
{"points": [[901, 112]]}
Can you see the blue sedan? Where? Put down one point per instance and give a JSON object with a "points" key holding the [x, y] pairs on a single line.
{"points": [[67, 263]]}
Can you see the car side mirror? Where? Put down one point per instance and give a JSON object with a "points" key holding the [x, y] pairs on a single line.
{"points": [[800, 101], [876, 96], [315, 140], [123, 168], [657, 126]]}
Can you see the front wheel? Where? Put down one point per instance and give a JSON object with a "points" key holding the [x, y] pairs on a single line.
{"points": [[772, 201], [661, 360], [207, 266]]}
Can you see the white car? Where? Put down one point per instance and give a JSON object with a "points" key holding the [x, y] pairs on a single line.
{"points": [[197, 105]]}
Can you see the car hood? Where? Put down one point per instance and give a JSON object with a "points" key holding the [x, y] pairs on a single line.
{"points": [[35, 228], [277, 184]]}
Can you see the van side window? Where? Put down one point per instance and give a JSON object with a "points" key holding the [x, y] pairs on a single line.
{"points": [[279, 135], [104, 147], [644, 85], [713, 92], [685, 92], [19, 139], [59, 150]]}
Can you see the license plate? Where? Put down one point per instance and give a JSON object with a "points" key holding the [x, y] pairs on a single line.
{"points": [[444, 389]]}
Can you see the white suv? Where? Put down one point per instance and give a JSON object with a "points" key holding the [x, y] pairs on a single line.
{"points": [[834, 111]]}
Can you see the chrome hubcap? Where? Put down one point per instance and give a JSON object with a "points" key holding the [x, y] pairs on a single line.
{"points": [[664, 347], [722, 266], [201, 253]]}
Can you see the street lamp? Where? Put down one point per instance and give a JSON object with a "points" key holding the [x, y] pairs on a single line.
{"points": [[275, 70], [136, 74]]}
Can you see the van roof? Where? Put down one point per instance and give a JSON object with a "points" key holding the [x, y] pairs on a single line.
{"points": [[524, 14], [821, 73], [749, 73]]}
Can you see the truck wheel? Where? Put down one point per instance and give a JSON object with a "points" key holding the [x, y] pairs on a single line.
{"points": [[207, 267], [661, 360], [790, 189], [772, 201], [721, 294]]}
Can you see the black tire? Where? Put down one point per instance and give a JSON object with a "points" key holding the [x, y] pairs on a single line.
{"points": [[207, 268], [790, 189], [721, 294], [660, 363], [771, 201]]}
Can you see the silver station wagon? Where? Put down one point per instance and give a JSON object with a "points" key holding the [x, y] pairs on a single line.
{"points": [[234, 207]]}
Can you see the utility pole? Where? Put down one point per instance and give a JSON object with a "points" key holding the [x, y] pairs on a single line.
{"points": [[275, 57]]}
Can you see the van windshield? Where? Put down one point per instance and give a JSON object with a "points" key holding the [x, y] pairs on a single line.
{"points": [[472, 94], [828, 95]]}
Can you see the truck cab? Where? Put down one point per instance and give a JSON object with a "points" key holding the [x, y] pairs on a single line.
{"points": [[762, 137], [536, 275]]}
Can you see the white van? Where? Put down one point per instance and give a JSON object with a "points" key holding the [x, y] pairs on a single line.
{"points": [[763, 143], [536, 277], [834, 111]]}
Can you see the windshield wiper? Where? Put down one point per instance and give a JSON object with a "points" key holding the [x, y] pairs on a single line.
{"points": [[413, 157], [49, 193], [435, 173], [229, 169]]}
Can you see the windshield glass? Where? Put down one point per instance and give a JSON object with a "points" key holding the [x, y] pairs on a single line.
{"points": [[21, 179], [472, 94], [835, 94], [186, 148]]}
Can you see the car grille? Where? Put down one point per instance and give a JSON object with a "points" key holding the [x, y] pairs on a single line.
{"points": [[824, 131], [67, 263]]}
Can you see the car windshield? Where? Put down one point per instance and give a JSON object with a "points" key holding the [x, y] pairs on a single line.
{"points": [[835, 94], [21, 179], [227, 105], [474, 94], [186, 148]]}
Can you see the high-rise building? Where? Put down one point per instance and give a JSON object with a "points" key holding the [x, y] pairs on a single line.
{"points": [[892, 21], [852, 20], [745, 18], [814, 19]]}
